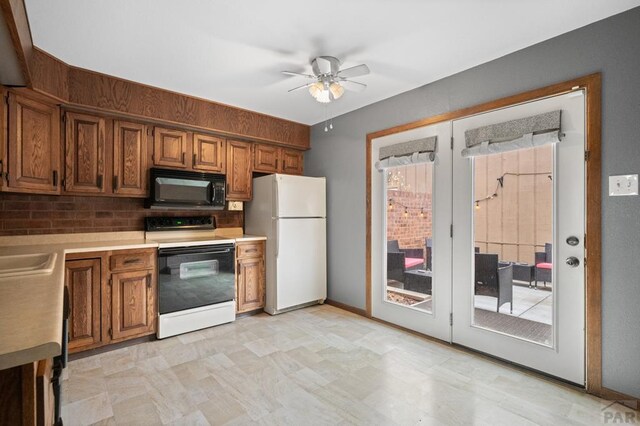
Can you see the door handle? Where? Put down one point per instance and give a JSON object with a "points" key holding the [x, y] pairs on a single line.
{"points": [[99, 181], [55, 178], [572, 261]]}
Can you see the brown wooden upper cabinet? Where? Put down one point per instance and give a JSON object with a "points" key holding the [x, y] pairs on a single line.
{"points": [[209, 153], [33, 145], [266, 158], [130, 171], [272, 159], [169, 148], [85, 160], [292, 162], [239, 182]]}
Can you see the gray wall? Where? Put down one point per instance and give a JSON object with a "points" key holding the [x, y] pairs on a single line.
{"points": [[611, 46]]}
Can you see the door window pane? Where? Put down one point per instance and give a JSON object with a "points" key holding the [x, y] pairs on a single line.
{"points": [[513, 234], [409, 219]]}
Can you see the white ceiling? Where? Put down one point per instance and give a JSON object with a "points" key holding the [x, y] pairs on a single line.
{"points": [[233, 51]]}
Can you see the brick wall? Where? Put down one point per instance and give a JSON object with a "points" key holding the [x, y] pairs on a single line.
{"points": [[22, 214], [412, 229]]}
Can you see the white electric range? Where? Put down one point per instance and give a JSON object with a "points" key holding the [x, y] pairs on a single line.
{"points": [[196, 274]]}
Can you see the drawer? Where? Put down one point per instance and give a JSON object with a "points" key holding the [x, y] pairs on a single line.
{"points": [[250, 249], [132, 260]]}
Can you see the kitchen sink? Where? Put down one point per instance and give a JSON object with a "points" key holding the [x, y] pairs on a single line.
{"points": [[27, 264]]}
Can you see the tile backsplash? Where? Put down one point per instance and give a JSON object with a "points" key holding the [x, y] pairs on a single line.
{"points": [[23, 214]]}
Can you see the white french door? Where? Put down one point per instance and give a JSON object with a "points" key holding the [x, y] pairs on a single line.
{"points": [[417, 293], [525, 208], [509, 280]]}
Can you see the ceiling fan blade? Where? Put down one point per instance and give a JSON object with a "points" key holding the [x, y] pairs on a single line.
{"points": [[321, 65], [300, 87], [356, 71], [353, 86], [298, 74]]}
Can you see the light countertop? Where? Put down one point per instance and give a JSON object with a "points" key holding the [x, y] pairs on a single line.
{"points": [[31, 306]]}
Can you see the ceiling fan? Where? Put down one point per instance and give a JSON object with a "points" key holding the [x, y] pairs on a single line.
{"points": [[329, 81]]}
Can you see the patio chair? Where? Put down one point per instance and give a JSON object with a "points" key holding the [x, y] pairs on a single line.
{"points": [[494, 280], [413, 257], [428, 249], [395, 266], [544, 265]]}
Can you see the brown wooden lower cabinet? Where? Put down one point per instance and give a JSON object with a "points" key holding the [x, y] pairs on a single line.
{"points": [[251, 276], [132, 304], [83, 281], [112, 297], [26, 394]]}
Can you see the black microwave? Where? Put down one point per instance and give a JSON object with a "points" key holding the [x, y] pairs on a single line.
{"points": [[179, 189]]}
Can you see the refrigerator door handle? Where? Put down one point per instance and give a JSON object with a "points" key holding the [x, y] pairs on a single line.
{"points": [[274, 206], [277, 237]]}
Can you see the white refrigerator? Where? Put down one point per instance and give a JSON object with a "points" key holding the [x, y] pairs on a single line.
{"points": [[291, 212]]}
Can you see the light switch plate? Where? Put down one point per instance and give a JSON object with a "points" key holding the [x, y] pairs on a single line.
{"points": [[623, 185]]}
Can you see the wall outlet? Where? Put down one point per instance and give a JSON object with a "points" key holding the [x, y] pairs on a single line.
{"points": [[235, 206], [623, 185]]}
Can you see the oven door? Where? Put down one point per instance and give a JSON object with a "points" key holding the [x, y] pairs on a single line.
{"points": [[191, 277]]}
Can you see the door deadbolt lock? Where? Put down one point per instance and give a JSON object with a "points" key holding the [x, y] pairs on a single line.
{"points": [[573, 261], [573, 241]]}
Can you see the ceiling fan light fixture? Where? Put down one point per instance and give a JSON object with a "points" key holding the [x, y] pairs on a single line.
{"points": [[336, 90], [316, 88], [323, 97]]}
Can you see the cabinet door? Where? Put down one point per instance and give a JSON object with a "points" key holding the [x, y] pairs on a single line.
{"points": [[83, 281], [34, 145], [129, 158], [44, 398], [209, 153], [251, 284], [292, 161], [265, 158], [4, 109], [169, 148], [133, 304], [238, 171], [84, 153]]}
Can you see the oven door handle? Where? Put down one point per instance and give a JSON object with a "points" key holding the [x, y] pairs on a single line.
{"points": [[182, 250]]}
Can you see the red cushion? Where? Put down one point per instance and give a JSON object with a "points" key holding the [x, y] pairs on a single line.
{"points": [[410, 262], [545, 265]]}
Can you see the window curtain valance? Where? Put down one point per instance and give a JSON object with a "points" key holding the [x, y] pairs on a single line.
{"points": [[413, 152], [528, 132]]}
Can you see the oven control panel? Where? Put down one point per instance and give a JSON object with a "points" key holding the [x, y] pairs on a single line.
{"points": [[163, 223]]}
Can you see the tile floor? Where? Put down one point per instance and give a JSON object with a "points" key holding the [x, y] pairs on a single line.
{"points": [[319, 365]]}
